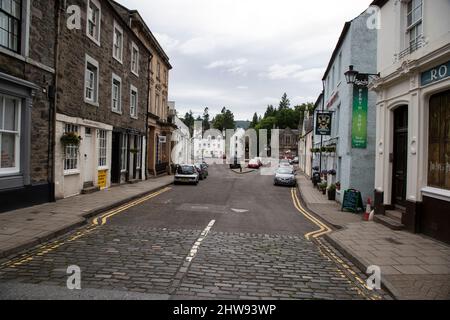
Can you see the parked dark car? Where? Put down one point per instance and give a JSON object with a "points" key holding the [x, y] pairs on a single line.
{"points": [[202, 170]]}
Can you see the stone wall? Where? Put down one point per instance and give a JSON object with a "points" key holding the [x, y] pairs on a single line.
{"points": [[74, 45]]}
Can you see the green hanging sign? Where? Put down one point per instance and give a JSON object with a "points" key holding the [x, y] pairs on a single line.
{"points": [[359, 117]]}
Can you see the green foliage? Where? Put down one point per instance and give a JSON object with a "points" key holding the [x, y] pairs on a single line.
{"points": [[224, 120], [70, 139], [189, 121], [206, 124]]}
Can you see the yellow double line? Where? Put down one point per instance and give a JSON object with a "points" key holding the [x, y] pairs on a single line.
{"points": [[47, 248], [324, 229], [103, 218]]}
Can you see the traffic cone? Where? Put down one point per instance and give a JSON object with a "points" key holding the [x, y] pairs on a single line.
{"points": [[368, 210]]}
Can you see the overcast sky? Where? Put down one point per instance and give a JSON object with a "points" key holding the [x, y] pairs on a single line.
{"points": [[244, 54]]}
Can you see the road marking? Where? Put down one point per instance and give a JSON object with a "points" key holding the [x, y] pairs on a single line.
{"points": [[49, 247], [199, 241], [324, 229], [103, 218], [327, 252], [239, 210]]}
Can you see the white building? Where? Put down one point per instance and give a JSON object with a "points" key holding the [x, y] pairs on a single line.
{"points": [[181, 153], [413, 115]]}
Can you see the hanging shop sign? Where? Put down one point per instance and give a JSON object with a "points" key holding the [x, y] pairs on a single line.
{"points": [[359, 117], [436, 74], [323, 123]]}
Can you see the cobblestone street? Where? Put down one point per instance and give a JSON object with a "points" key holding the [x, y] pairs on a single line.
{"points": [[257, 254]]}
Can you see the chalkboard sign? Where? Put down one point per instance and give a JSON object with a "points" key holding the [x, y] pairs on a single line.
{"points": [[352, 201]]}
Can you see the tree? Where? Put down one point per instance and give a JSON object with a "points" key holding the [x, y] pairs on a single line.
{"points": [[270, 112], [224, 120], [254, 121], [189, 121], [206, 124], [285, 103]]}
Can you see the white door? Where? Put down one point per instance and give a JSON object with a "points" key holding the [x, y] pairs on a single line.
{"points": [[88, 156]]}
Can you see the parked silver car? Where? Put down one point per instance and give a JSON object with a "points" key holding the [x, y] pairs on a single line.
{"points": [[285, 176], [186, 173]]}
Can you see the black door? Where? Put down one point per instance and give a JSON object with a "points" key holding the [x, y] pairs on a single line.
{"points": [[400, 156], [115, 163]]}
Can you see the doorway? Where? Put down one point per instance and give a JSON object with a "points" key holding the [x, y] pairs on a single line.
{"points": [[89, 165], [400, 157], [115, 163]]}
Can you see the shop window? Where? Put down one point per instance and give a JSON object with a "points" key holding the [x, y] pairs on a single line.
{"points": [[139, 152], [102, 147], [123, 152], [439, 142]]}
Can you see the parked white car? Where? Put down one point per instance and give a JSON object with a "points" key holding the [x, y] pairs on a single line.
{"points": [[186, 173]]}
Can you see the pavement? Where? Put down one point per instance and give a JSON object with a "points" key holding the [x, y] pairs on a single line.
{"points": [[413, 266], [25, 228], [230, 237]]}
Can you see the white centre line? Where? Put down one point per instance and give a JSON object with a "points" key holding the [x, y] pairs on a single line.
{"points": [[199, 241]]}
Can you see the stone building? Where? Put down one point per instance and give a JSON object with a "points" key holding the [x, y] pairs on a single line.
{"points": [[102, 97], [413, 116], [349, 154], [160, 116], [27, 68], [306, 141], [289, 139]]}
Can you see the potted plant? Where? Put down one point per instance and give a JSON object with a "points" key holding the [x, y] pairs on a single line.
{"points": [[338, 186], [70, 139], [323, 187], [332, 192]]}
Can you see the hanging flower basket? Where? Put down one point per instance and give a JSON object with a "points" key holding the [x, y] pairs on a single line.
{"points": [[134, 151], [71, 139]]}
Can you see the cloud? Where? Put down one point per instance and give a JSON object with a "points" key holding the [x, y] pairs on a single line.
{"points": [[168, 43], [278, 47], [277, 71], [235, 66]]}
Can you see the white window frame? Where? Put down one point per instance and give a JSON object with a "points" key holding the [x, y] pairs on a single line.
{"points": [[93, 62], [124, 152], [118, 28], [99, 23], [135, 90], [16, 168], [413, 26], [118, 110], [135, 69], [102, 150], [68, 149]]}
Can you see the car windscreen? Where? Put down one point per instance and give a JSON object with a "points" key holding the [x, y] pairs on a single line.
{"points": [[185, 170], [284, 171]]}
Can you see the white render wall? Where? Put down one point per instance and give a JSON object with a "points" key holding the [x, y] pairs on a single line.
{"points": [[67, 185], [400, 85]]}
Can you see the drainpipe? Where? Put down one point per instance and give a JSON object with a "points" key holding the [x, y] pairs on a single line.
{"points": [[53, 104], [147, 138]]}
